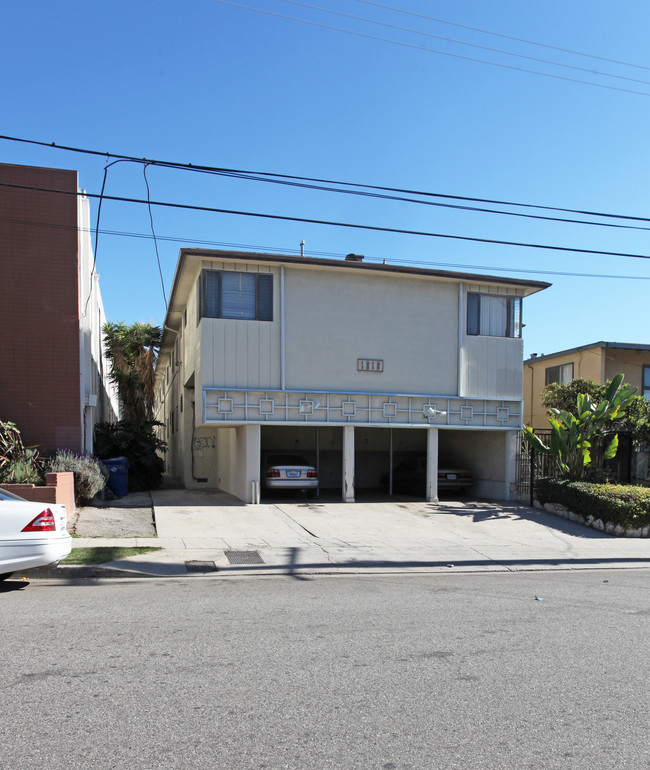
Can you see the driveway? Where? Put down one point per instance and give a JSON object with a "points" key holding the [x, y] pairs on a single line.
{"points": [[203, 532]]}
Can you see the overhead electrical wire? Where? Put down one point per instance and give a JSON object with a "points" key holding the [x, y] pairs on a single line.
{"points": [[423, 33], [504, 36], [331, 223], [324, 254], [436, 51], [244, 174], [153, 232]]}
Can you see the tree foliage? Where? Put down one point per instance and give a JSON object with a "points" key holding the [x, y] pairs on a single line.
{"points": [[572, 432], [137, 441], [132, 351], [635, 421]]}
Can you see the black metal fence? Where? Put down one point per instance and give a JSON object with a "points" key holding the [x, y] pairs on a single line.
{"points": [[533, 465]]}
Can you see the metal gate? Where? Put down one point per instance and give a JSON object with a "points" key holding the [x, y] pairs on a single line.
{"points": [[532, 465]]}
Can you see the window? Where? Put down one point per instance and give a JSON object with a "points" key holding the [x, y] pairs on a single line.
{"points": [[562, 374], [244, 296], [646, 383], [493, 316]]}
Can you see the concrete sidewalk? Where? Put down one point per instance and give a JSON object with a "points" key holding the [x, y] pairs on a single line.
{"points": [[210, 532]]}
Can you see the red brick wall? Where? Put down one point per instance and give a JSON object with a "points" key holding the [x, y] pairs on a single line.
{"points": [[39, 340], [59, 489]]}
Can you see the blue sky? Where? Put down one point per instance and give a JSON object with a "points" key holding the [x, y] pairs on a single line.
{"points": [[210, 83]]}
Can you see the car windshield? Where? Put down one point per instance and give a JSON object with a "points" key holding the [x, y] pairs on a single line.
{"points": [[4, 495], [286, 460]]}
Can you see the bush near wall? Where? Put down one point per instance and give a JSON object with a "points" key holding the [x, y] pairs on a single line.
{"points": [[137, 441], [621, 504]]}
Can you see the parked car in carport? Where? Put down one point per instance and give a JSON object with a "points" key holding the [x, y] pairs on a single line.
{"points": [[410, 476], [287, 472], [31, 534]]}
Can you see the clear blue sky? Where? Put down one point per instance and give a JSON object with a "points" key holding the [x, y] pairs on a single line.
{"points": [[205, 82]]}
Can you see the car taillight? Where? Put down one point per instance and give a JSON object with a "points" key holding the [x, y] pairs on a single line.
{"points": [[464, 475], [312, 474], [273, 474], [44, 522]]}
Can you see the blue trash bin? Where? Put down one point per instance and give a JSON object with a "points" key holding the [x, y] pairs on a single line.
{"points": [[118, 475]]}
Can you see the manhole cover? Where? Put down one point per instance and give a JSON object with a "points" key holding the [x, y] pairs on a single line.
{"points": [[243, 557], [201, 566]]}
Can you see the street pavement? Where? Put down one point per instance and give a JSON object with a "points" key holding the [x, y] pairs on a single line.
{"points": [[208, 532]]}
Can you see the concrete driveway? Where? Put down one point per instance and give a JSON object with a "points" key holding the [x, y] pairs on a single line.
{"points": [[203, 532]]}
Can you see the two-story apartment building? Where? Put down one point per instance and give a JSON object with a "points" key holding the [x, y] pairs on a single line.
{"points": [[353, 365], [598, 362]]}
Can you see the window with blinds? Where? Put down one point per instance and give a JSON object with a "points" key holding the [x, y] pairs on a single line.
{"points": [[491, 315], [242, 296]]}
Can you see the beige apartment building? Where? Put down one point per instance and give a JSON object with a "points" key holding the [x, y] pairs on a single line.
{"points": [[353, 365], [598, 362]]}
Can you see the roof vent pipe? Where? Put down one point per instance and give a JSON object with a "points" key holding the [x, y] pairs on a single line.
{"points": [[354, 258]]}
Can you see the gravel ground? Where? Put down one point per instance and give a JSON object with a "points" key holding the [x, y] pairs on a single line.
{"points": [[129, 516]]}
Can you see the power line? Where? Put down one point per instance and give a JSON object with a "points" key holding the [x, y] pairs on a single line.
{"points": [[325, 254], [241, 173], [153, 233], [401, 199], [434, 50], [506, 37], [464, 42], [331, 223]]}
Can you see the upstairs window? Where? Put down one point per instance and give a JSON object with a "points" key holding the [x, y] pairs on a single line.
{"points": [[490, 315], [646, 383], [562, 374], [243, 296]]}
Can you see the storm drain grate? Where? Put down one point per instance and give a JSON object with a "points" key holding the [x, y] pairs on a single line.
{"points": [[243, 557], [201, 566]]}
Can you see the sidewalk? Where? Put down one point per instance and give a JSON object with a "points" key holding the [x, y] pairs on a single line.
{"points": [[207, 533]]}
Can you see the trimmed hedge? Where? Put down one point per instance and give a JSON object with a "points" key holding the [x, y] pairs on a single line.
{"points": [[621, 504]]}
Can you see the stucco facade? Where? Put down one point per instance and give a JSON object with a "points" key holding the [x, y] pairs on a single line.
{"points": [[351, 361], [598, 362]]}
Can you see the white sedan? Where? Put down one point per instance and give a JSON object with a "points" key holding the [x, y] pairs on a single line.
{"points": [[31, 534]]}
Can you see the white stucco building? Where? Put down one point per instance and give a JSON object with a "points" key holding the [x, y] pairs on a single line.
{"points": [[353, 365]]}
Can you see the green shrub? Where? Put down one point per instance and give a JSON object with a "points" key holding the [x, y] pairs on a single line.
{"points": [[18, 464], [24, 470], [88, 474], [621, 504], [137, 441]]}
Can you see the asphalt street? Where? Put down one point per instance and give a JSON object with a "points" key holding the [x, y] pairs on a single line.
{"points": [[494, 670]]}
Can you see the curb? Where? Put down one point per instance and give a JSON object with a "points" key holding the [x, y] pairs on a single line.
{"points": [[82, 571]]}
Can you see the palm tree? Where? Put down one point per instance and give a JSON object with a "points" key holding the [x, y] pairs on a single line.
{"points": [[132, 351]]}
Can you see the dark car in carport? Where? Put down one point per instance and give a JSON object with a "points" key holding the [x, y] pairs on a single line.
{"points": [[410, 475]]}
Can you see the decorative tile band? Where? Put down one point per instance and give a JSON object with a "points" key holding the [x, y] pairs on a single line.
{"points": [[229, 407]]}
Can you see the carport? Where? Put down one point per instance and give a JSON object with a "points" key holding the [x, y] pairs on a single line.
{"points": [[320, 446]]}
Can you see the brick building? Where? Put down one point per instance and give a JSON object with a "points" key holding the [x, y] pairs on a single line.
{"points": [[53, 375]]}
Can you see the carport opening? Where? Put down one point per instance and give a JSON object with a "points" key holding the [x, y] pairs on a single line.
{"points": [[320, 446], [381, 454]]}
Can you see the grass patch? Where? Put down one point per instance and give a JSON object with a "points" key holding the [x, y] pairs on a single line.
{"points": [[103, 554]]}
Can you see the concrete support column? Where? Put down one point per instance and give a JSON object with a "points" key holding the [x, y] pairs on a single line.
{"points": [[249, 439], [510, 462], [432, 465], [348, 464]]}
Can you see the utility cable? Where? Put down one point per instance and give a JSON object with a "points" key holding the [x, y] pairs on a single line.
{"points": [[506, 37], [326, 254], [331, 223], [433, 50], [399, 28], [153, 232], [237, 172]]}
